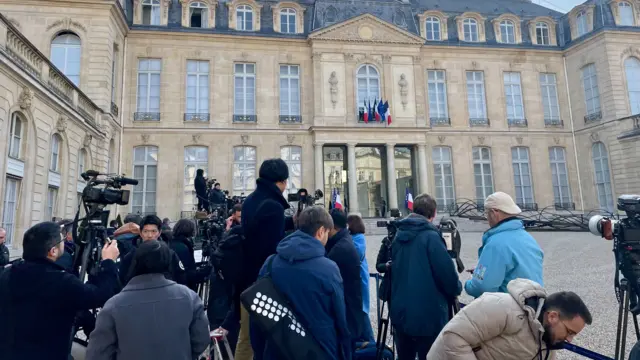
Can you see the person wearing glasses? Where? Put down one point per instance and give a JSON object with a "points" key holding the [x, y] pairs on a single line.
{"points": [[524, 323], [39, 300], [508, 251]]}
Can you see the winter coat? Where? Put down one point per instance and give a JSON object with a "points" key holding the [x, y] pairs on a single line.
{"points": [[217, 197], [341, 250], [200, 186], [313, 285], [152, 318], [183, 247], [384, 256], [508, 252], [495, 326], [361, 246], [128, 237], [425, 280], [38, 304], [176, 273], [4, 255]]}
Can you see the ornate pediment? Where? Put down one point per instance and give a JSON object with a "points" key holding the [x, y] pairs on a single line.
{"points": [[366, 29]]}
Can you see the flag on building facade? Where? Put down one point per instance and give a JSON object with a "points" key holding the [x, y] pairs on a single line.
{"points": [[337, 203], [381, 111], [376, 114], [365, 115], [408, 199], [387, 113]]}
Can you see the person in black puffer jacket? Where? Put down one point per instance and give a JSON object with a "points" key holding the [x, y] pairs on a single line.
{"points": [[182, 245]]}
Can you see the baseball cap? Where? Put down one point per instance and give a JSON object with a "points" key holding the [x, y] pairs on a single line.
{"points": [[503, 202]]}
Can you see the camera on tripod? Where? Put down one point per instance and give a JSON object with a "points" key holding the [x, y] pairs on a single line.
{"points": [[303, 198]]}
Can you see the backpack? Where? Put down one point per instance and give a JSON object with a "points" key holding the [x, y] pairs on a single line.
{"points": [[227, 255]]}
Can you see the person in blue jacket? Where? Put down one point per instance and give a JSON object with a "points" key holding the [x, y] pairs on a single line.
{"points": [[508, 252], [312, 284], [357, 230]]}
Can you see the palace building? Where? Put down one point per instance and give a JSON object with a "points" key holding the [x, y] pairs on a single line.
{"points": [[484, 96]]}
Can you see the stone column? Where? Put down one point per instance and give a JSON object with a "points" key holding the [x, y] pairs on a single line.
{"points": [[392, 189], [422, 169], [319, 166], [352, 178]]}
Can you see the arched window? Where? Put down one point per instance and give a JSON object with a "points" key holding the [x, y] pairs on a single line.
{"points": [[470, 29], [368, 84], [433, 29], [292, 155], [82, 162], [399, 19], [65, 55], [15, 137], [330, 15], [145, 170], [581, 23], [632, 71], [288, 21], [522, 176], [507, 32], [244, 169], [151, 12], [482, 172], [443, 175], [560, 178], [195, 157], [244, 18], [198, 15], [542, 34], [15, 172], [54, 164], [602, 176], [626, 14]]}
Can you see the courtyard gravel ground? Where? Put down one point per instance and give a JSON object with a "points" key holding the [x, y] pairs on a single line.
{"points": [[575, 261]]}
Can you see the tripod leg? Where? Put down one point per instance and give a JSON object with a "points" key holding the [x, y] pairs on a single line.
{"points": [[623, 294], [623, 341]]}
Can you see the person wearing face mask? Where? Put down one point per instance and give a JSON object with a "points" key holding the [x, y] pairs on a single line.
{"points": [[524, 323], [39, 300], [312, 284]]}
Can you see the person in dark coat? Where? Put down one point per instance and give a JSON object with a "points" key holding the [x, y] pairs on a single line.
{"points": [[4, 251], [200, 185], [264, 225], [342, 251], [66, 260], [312, 284], [216, 196], [39, 300], [128, 235], [182, 245], [149, 311], [425, 281]]}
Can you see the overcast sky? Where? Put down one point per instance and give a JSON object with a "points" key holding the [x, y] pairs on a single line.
{"points": [[559, 5]]}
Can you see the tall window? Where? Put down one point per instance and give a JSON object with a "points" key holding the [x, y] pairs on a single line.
{"points": [[507, 32], [632, 72], [542, 34], [581, 23], [112, 152], [289, 90], [522, 176], [65, 55], [602, 176], [437, 84], [513, 93], [15, 138], [288, 21], [433, 28], [559, 177], [470, 30], [549, 98], [54, 164], [244, 169], [443, 173], [145, 170], [475, 95], [10, 207], [197, 87], [245, 89], [195, 157], [113, 75], [82, 162], [151, 12], [149, 85], [292, 155], [198, 15], [626, 14], [244, 18], [591, 92], [52, 202], [368, 85], [482, 173]]}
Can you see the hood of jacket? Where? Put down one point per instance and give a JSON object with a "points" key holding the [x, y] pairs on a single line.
{"points": [[411, 226], [523, 289], [300, 247], [509, 224], [183, 240], [272, 190]]}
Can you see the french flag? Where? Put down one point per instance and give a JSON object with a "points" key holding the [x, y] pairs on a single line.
{"points": [[337, 203], [409, 199]]}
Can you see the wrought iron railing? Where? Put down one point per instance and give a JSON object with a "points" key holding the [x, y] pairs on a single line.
{"points": [[197, 117], [245, 118], [553, 123], [146, 116], [596, 116], [517, 122], [479, 122], [440, 121], [290, 119]]}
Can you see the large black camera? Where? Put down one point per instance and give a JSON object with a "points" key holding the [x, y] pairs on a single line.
{"points": [[110, 194], [304, 199]]}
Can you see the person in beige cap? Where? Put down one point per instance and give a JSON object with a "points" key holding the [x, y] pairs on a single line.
{"points": [[508, 252]]}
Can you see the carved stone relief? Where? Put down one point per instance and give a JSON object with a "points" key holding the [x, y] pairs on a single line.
{"points": [[594, 137], [519, 140], [196, 138], [244, 139], [67, 23], [144, 138], [556, 140], [441, 139], [333, 83], [61, 125], [291, 139], [25, 99], [404, 91], [481, 140], [86, 142]]}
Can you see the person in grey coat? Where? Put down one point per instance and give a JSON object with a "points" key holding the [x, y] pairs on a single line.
{"points": [[152, 318]]}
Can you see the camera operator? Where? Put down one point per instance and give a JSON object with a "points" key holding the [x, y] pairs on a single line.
{"points": [[235, 218], [66, 259], [200, 185], [216, 196], [4, 251], [39, 301], [128, 235], [181, 243], [425, 281], [508, 251]]}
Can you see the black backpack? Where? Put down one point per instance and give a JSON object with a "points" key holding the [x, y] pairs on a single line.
{"points": [[227, 255]]}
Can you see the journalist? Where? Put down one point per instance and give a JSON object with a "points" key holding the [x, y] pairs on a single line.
{"points": [[39, 300], [357, 229], [200, 185], [181, 243], [66, 259], [507, 252], [425, 281], [507, 326], [236, 217], [4, 251], [128, 235], [216, 196]]}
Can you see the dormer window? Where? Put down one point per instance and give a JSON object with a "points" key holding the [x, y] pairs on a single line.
{"points": [[244, 15], [244, 18], [507, 32], [542, 34], [433, 28], [198, 15], [399, 19], [433, 25], [626, 14], [470, 29], [288, 21], [581, 23], [151, 12], [542, 31], [330, 15]]}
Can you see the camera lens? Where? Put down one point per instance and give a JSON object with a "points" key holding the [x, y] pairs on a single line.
{"points": [[595, 225]]}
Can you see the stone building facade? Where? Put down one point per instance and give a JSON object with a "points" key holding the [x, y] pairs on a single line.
{"points": [[512, 97]]}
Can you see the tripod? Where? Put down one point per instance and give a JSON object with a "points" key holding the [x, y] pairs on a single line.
{"points": [[626, 292]]}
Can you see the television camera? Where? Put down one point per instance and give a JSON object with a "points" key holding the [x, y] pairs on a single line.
{"points": [[304, 199]]}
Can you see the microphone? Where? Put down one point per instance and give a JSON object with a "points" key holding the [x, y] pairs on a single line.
{"points": [[128, 181], [89, 174]]}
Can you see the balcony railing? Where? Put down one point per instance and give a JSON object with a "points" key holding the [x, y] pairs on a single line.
{"points": [[245, 118], [528, 207], [290, 119], [479, 122], [440, 121], [517, 122], [596, 116], [114, 109], [553, 123], [565, 206], [197, 117], [146, 116]]}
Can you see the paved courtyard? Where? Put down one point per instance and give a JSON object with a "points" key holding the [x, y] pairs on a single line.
{"points": [[575, 261]]}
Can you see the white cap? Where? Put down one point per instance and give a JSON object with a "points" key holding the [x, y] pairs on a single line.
{"points": [[503, 202]]}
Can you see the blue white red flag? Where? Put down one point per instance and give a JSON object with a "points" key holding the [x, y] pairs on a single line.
{"points": [[409, 199], [337, 203]]}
